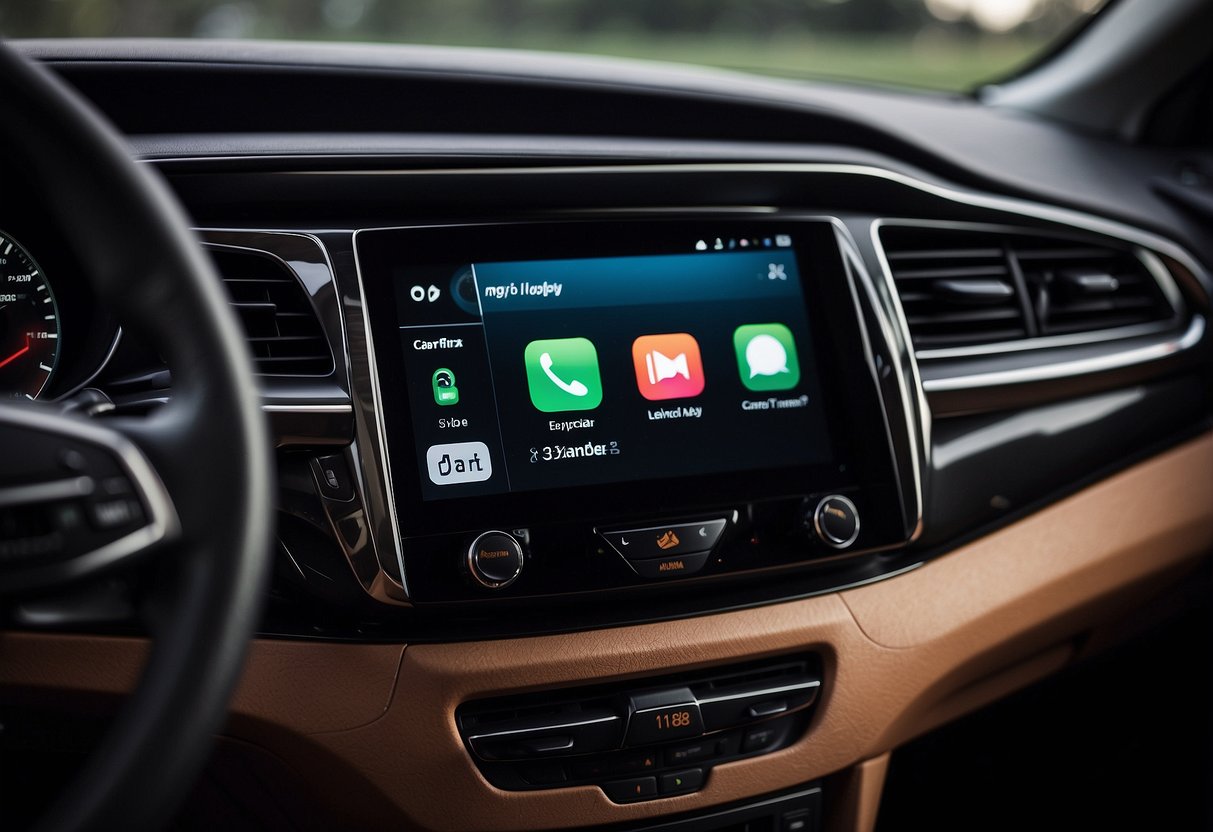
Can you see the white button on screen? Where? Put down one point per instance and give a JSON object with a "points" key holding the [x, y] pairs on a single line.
{"points": [[459, 462]]}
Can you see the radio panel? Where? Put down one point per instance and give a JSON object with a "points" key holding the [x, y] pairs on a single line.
{"points": [[626, 402]]}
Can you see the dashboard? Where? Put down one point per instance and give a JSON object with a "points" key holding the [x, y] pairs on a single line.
{"points": [[647, 444]]}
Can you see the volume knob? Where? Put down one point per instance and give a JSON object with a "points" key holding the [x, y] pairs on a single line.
{"points": [[836, 521], [494, 559]]}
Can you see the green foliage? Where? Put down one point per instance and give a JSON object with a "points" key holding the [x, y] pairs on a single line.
{"points": [[889, 41]]}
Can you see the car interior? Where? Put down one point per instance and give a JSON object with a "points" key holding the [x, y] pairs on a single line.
{"points": [[410, 436]]}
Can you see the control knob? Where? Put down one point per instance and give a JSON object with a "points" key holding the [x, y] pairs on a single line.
{"points": [[836, 521], [494, 559]]}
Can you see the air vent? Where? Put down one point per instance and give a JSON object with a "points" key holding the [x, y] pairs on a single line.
{"points": [[282, 328], [966, 287], [956, 289], [1078, 288]]}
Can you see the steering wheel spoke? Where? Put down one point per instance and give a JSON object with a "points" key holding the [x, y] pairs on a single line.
{"points": [[76, 499], [84, 496]]}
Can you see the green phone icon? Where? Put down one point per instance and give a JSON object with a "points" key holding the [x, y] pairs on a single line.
{"points": [[562, 374], [445, 391], [766, 357]]}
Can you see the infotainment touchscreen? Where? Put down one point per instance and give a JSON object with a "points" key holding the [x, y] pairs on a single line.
{"points": [[680, 358]]}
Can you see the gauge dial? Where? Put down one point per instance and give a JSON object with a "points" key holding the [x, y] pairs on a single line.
{"points": [[29, 323]]}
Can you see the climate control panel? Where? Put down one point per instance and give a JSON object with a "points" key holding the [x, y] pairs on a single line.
{"points": [[642, 740]]}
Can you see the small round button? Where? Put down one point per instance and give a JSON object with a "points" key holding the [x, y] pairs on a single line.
{"points": [[836, 521], [495, 559]]}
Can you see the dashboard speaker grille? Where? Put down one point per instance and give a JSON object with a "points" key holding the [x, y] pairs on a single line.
{"points": [[963, 287], [283, 332]]}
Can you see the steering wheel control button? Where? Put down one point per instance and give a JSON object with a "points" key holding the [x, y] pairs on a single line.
{"points": [[495, 559], [630, 790], [836, 521], [663, 715], [670, 567], [666, 540], [106, 515], [333, 478], [681, 782]]}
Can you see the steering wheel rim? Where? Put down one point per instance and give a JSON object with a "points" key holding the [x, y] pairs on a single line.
{"points": [[208, 447]]}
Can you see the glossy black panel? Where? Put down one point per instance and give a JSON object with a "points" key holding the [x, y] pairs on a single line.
{"points": [[986, 469]]}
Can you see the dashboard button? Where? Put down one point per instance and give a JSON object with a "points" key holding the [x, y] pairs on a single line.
{"points": [[333, 478], [665, 540], [543, 774], [670, 567], [757, 738], [495, 559], [691, 753], [626, 791], [663, 715], [836, 521], [637, 763], [678, 782]]}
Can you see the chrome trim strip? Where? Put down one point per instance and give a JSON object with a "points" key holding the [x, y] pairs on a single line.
{"points": [[1047, 342], [308, 408], [544, 728], [816, 683], [1081, 366], [378, 453], [918, 434]]}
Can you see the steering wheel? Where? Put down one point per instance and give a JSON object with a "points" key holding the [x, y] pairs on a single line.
{"points": [[188, 487]]}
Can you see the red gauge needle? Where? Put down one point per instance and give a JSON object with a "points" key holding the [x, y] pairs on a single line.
{"points": [[16, 355]]}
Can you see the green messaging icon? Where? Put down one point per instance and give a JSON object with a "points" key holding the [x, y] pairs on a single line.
{"points": [[766, 357], [562, 374]]}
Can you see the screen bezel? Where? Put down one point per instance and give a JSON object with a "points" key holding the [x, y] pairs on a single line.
{"points": [[854, 419]]}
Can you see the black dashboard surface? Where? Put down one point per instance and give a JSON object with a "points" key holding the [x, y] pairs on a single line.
{"points": [[221, 99], [324, 139]]}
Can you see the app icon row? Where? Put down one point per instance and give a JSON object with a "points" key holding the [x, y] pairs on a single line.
{"points": [[563, 374]]}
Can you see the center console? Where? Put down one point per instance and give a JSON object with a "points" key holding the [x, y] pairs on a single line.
{"points": [[612, 404]]}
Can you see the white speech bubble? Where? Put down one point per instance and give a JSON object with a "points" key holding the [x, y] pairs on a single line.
{"points": [[766, 356]]}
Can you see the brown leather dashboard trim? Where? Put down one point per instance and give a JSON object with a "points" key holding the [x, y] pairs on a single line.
{"points": [[303, 687], [899, 657]]}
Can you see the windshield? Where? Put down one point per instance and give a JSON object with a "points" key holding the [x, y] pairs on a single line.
{"points": [[939, 44]]}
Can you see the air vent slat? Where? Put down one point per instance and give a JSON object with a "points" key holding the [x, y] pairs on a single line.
{"points": [[974, 316], [1058, 254], [988, 336], [940, 254], [965, 287], [945, 274], [281, 327]]}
